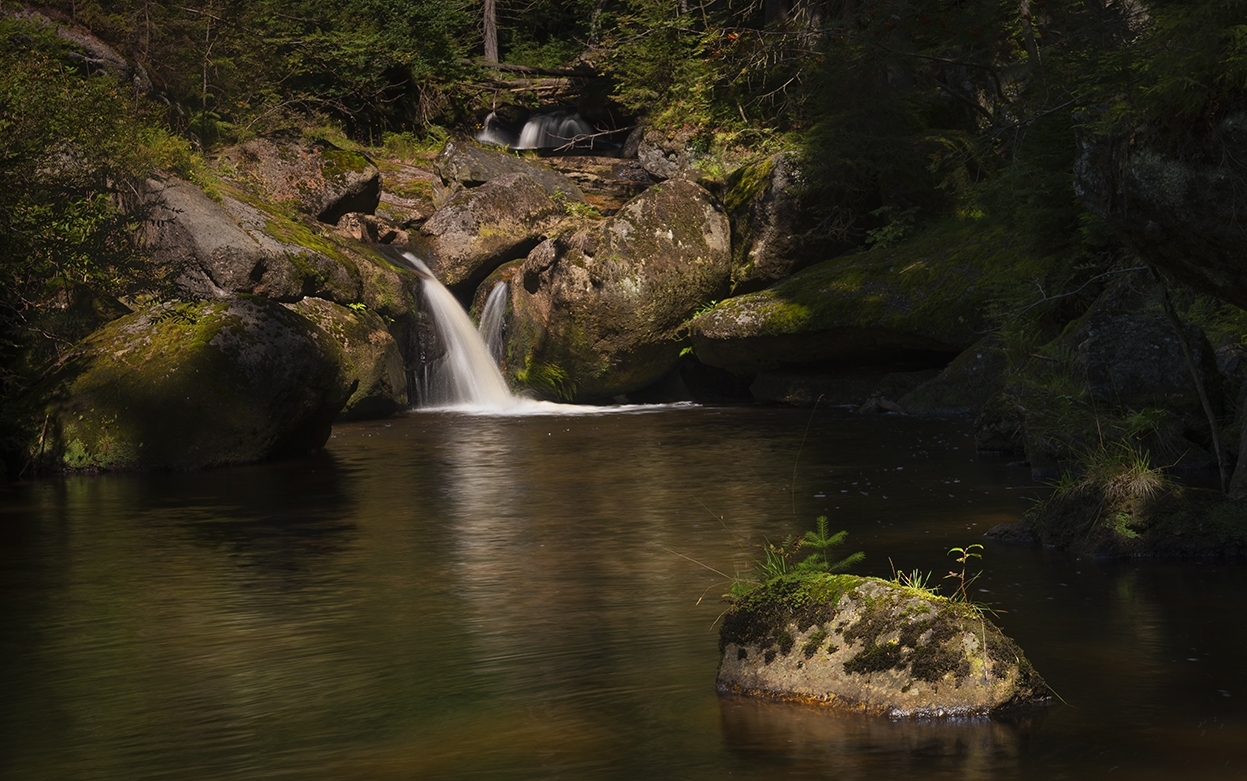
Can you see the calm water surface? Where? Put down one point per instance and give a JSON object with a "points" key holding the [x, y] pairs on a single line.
{"points": [[447, 596]]}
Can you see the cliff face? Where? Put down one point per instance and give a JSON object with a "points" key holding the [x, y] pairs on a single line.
{"points": [[1184, 214]]}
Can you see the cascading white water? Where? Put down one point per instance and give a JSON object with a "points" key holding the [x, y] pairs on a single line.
{"points": [[551, 131], [491, 320], [494, 133], [466, 376]]}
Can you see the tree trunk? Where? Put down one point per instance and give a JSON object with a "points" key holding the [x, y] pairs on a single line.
{"points": [[491, 30]]}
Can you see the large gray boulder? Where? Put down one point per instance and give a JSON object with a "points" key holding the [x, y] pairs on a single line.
{"points": [[600, 312], [218, 249], [371, 359], [482, 228], [190, 385], [314, 177], [865, 644], [464, 164]]}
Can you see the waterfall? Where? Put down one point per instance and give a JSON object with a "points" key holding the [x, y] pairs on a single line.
{"points": [[494, 133], [553, 130], [466, 376], [491, 320]]}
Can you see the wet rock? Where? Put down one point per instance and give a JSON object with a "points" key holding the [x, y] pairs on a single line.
{"points": [[599, 313], [866, 644], [316, 177], [482, 228], [371, 360], [185, 386]]}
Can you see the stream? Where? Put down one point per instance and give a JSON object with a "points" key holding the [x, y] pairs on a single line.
{"points": [[453, 596]]}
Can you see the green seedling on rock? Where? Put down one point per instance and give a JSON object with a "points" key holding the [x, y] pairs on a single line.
{"points": [[964, 556]]}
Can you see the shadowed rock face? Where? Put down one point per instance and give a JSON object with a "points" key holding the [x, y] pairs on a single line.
{"points": [[191, 385], [1185, 215], [870, 645], [761, 200], [371, 362], [929, 297]]}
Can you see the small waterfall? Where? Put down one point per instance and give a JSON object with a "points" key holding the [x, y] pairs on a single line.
{"points": [[494, 133], [553, 130], [491, 320], [466, 376]]}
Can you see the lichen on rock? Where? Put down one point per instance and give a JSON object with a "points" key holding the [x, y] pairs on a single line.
{"points": [[872, 645]]}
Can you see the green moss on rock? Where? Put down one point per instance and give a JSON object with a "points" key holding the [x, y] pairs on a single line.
{"points": [[189, 385], [934, 293]]}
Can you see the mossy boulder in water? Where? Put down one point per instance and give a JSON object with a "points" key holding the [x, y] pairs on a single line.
{"points": [[183, 386], [600, 312], [871, 645]]}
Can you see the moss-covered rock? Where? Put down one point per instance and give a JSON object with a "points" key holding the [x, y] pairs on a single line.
{"points": [[600, 312], [966, 385], [762, 204], [183, 386], [931, 295], [871, 645], [372, 362], [243, 244]]}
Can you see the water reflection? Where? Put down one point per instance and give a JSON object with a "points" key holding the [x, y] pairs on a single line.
{"points": [[448, 596], [864, 747]]}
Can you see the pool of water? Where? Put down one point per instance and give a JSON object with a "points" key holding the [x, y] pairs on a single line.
{"points": [[452, 596]]}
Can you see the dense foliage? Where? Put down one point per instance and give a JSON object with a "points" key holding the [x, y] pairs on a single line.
{"points": [[72, 149]]}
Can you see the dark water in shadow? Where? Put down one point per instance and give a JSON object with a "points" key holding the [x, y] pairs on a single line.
{"points": [[443, 596]]}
